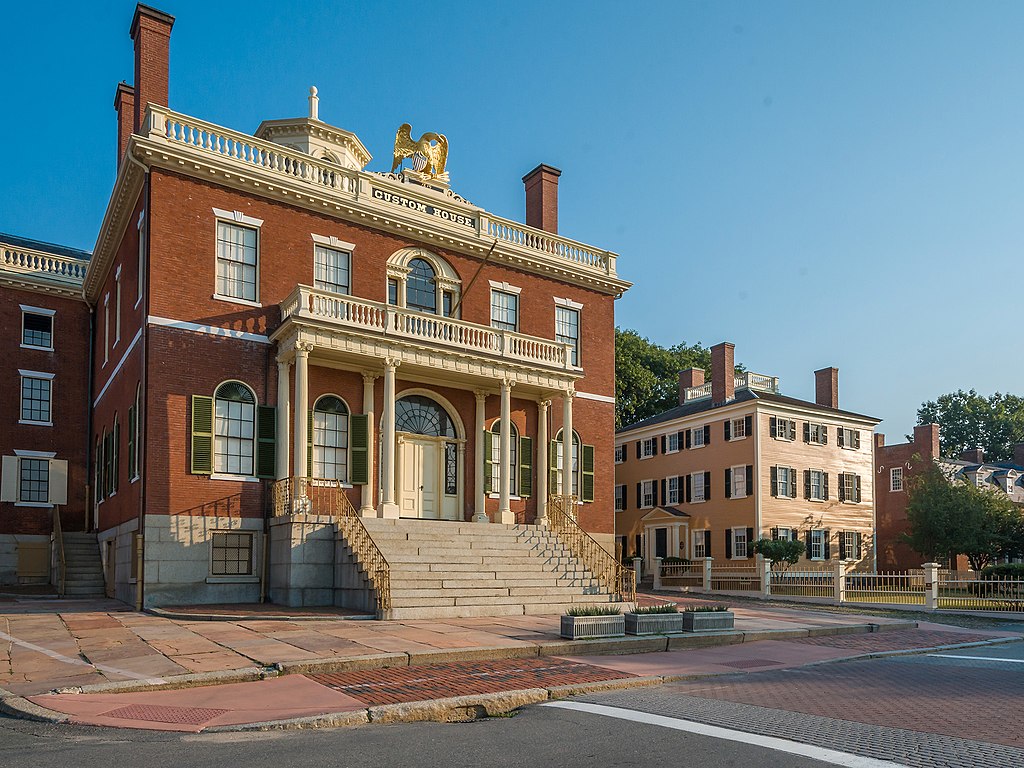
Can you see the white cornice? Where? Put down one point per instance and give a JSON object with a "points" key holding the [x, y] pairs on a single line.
{"points": [[127, 186]]}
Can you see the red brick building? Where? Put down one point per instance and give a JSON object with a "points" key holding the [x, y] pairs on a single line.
{"points": [[266, 311]]}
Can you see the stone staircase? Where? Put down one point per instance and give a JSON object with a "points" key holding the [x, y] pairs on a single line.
{"points": [[84, 569], [453, 569]]}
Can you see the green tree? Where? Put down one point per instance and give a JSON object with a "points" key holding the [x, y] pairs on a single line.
{"points": [[949, 518], [969, 420], [647, 374], [782, 552]]}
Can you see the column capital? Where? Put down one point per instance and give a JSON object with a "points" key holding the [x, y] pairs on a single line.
{"points": [[303, 348], [370, 376], [392, 362], [480, 395], [283, 365], [544, 404], [508, 382], [569, 392]]}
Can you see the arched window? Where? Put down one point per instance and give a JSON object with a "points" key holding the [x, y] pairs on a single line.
{"points": [[420, 415], [330, 439], [495, 458], [575, 490], [421, 287], [234, 430]]}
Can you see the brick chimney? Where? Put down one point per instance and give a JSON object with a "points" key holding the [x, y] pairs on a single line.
{"points": [[926, 439], [124, 103], [151, 33], [542, 198], [723, 372], [973, 455], [826, 387], [691, 377]]}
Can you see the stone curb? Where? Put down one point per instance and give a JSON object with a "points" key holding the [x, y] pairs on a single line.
{"points": [[180, 616], [23, 709], [194, 680], [916, 651]]}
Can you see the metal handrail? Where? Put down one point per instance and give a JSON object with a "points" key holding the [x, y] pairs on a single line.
{"points": [[323, 496], [615, 578], [58, 538]]}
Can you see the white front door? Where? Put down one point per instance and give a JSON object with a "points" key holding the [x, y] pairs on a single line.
{"points": [[419, 479]]}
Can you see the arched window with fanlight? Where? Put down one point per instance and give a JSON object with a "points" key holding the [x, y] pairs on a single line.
{"points": [[330, 438], [493, 458], [234, 429], [582, 468], [423, 282], [421, 287]]}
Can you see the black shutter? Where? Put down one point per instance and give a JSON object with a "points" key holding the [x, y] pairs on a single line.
{"points": [[664, 488], [639, 497], [842, 486], [856, 438], [792, 483], [807, 544], [775, 481], [638, 448], [687, 438], [728, 483], [707, 486], [681, 438], [773, 426], [728, 430], [654, 493], [707, 543], [792, 430], [807, 431], [664, 444], [707, 434], [828, 549], [654, 446], [774, 534], [748, 422], [750, 479], [842, 545], [266, 442], [750, 542], [856, 488], [728, 543], [807, 483], [860, 545], [840, 437], [824, 486], [689, 488]]}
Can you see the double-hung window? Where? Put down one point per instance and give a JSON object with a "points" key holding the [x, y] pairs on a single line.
{"points": [[504, 310], [237, 261], [567, 330], [817, 485], [647, 494], [647, 448], [850, 545], [816, 434], [33, 480], [697, 487], [782, 534], [782, 429], [234, 444], [849, 488], [331, 269], [738, 478], [36, 328], [739, 542], [36, 398], [784, 482], [737, 428], [620, 454], [620, 498], [672, 491], [697, 437], [699, 546], [496, 458], [848, 438], [817, 544], [896, 479], [672, 442]]}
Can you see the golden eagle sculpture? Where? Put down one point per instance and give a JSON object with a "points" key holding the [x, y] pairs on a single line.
{"points": [[432, 147]]}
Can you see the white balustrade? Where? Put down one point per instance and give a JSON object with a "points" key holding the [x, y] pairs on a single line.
{"points": [[698, 393], [387, 320], [53, 267]]}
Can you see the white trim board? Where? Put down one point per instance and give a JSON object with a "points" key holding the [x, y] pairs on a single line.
{"points": [[117, 368]]}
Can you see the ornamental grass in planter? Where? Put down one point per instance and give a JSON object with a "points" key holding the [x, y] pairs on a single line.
{"points": [[703, 618], [591, 621], [654, 620]]}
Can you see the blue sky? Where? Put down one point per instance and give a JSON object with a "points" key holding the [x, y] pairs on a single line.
{"points": [[822, 184]]}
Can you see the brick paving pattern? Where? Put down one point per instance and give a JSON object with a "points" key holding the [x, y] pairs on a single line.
{"points": [[165, 714], [397, 685], [906, 747], [893, 641]]}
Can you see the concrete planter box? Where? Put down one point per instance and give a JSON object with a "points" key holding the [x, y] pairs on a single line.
{"points": [[584, 627], [703, 621], [653, 623]]}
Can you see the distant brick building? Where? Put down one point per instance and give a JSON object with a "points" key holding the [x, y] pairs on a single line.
{"points": [[263, 310]]}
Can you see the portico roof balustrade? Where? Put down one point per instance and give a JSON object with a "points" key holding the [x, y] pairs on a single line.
{"points": [[416, 331]]}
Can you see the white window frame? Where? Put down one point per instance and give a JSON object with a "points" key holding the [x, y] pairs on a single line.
{"points": [[670, 438], [253, 440], [647, 447], [620, 498], [817, 543], [567, 305], [739, 481], [38, 376], [697, 544], [647, 494], [784, 534], [821, 485], [812, 427], [851, 491], [30, 310], [790, 482], [237, 219], [672, 494], [850, 544], [117, 305], [896, 479], [737, 541], [106, 328], [320, 244], [319, 447], [736, 426], [848, 433], [620, 454], [21, 455], [495, 468], [786, 437], [694, 477], [512, 305], [693, 437]]}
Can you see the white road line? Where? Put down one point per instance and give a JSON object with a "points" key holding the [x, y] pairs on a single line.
{"points": [[714, 731], [975, 658], [78, 662]]}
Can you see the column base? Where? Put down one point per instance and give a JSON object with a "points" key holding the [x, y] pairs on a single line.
{"points": [[507, 517], [389, 511], [367, 512], [481, 517]]}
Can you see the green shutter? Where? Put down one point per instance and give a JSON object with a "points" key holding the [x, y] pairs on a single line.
{"points": [[309, 444], [553, 466], [588, 473], [266, 441], [359, 440], [116, 450], [486, 437], [202, 435], [525, 466]]}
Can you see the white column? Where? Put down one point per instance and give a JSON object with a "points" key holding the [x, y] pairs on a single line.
{"points": [[281, 471], [388, 505], [366, 508], [480, 499], [567, 487], [542, 461], [504, 491], [302, 350]]}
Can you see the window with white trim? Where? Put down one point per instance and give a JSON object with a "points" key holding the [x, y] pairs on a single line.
{"points": [[567, 330], [896, 479], [815, 434], [33, 480], [739, 543], [37, 328], [697, 437], [647, 447], [141, 226], [698, 548], [513, 457], [782, 429], [231, 554], [504, 310], [785, 481], [738, 428], [620, 498], [647, 494], [850, 544], [234, 429], [331, 269], [559, 463], [738, 476], [672, 490], [817, 488], [848, 438], [106, 328], [850, 488], [817, 544], [330, 439], [784, 534], [36, 397], [237, 261], [672, 442], [697, 490], [620, 454]]}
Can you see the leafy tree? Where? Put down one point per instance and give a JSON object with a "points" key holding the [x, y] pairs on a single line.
{"points": [[781, 552], [647, 374], [950, 518], [969, 420]]}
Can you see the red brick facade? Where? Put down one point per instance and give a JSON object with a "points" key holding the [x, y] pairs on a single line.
{"points": [[907, 459]]}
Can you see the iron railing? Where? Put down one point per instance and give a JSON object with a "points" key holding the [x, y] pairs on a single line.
{"points": [[58, 541], [614, 577]]}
